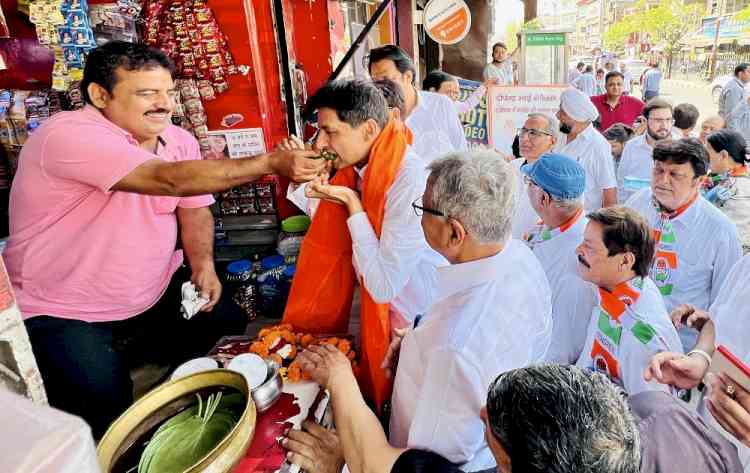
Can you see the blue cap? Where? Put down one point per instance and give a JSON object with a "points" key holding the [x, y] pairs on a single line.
{"points": [[239, 266], [558, 175]]}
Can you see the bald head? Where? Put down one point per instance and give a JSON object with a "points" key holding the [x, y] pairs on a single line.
{"points": [[710, 125]]}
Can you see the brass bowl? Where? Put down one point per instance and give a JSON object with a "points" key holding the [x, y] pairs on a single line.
{"points": [[168, 399]]}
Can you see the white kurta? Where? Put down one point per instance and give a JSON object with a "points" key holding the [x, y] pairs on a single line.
{"points": [[436, 127], [637, 162], [572, 297], [707, 246], [487, 317], [593, 152], [524, 216], [633, 355]]}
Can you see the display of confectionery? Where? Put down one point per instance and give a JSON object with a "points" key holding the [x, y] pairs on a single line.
{"points": [[188, 32]]}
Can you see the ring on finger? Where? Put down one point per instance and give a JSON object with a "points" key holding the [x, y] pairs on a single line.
{"points": [[731, 391]]}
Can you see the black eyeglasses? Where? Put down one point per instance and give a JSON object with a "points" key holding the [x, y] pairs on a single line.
{"points": [[419, 210]]}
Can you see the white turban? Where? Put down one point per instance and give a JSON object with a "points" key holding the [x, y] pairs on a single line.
{"points": [[578, 106]]}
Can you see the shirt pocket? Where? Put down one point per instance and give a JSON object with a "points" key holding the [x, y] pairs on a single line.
{"points": [[693, 279]]}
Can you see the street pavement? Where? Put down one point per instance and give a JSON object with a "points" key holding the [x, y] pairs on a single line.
{"points": [[696, 93]]}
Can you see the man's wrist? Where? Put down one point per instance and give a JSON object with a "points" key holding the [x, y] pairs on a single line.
{"points": [[352, 202], [205, 264]]}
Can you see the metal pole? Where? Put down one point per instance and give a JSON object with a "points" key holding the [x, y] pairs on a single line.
{"points": [[714, 50], [353, 49]]}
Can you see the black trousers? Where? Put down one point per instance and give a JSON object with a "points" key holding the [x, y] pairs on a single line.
{"points": [[86, 366]]}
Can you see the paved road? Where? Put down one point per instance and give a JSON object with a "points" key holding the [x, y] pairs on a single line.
{"points": [[696, 94]]}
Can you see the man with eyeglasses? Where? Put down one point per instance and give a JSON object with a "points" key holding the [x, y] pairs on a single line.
{"points": [[634, 172], [489, 311], [554, 185], [588, 147], [696, 244], [535, 138]]}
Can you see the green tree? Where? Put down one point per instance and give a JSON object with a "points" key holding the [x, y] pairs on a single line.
{"points": [[511, 34], [668, 23]]}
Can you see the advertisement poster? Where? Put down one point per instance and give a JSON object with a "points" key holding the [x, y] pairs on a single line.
{"points": [[508, 108], [234, 144], [474, 121]]}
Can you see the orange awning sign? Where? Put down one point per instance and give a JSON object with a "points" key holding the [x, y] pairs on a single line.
{"points": [[447, 21]]}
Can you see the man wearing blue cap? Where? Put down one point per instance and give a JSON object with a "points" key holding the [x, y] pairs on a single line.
{"points": [[555, 185]]}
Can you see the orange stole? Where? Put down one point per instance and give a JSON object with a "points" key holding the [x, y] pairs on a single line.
{"points": [[321, 295]]}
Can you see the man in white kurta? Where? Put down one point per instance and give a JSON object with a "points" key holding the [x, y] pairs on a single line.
{"points": [[537, 137], [629, 324], [554, 186], [697, 245], [587, 146], [634, 171], [490, 312]]}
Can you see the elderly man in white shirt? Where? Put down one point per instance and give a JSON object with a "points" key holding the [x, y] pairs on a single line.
{"points": [[431, 116], [696, 244], [490, 311], [537, 137], [630, 324], [555, 186], [636, 163], [587, 146]]}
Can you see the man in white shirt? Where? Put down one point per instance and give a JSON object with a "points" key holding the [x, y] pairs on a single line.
{"points": [[588, 147], [430, 116], [732, 101], [696, 244], [576, 72], [501, 67], [555, 186], [627, 79], [490, 311], [586, 82], [630, 323], [634, 171], [537, 137]]}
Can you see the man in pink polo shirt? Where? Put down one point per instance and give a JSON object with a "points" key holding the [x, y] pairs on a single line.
{"points": [[614, 106], [99, 199]]}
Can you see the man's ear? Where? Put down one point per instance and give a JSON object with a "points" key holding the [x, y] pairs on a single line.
{"points": [[371, 129], [628, 261], [98, 95], [458, 233]]}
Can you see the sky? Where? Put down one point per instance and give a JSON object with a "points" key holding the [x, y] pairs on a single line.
{"points": [[506, 12]]}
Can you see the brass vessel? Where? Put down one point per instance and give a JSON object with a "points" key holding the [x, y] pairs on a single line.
{"points": [[170, 398]]}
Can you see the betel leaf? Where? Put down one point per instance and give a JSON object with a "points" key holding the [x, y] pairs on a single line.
{"points": [[187, 437]]}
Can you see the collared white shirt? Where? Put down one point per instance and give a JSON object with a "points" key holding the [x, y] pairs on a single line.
{"points": [[436, 127], [503, 72], [633, 355], [586, 83], [593, 152], [572, 297], [707, 247], [487, 317], [524, 216], [387, 265], [637, 162]]}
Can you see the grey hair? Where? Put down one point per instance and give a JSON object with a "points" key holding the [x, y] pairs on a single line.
{"points": [[568, 204], [477, 188], [552, 125], [560, 419]]}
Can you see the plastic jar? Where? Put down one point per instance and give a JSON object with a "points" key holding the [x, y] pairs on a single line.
{"points": [[293, 231]]}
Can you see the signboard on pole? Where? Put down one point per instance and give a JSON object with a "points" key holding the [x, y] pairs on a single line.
{"points": [[447, 21], [475, 120], [508, 108]]}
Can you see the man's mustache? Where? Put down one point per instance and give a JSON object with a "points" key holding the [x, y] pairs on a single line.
{"points": [[583, 261]]}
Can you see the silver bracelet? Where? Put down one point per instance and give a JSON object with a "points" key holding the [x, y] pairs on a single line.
{"points": [[703, 355]]}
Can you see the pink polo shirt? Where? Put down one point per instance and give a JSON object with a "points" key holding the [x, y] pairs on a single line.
{"points": [[78, 250]]}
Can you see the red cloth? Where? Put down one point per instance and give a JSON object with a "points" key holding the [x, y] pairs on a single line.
{"points": [[626, 111]]}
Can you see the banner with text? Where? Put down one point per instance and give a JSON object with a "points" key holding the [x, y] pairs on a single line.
{"points": [[475, 120], [508, 108]]}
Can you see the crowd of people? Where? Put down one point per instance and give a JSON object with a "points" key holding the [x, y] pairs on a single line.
{"points": [[553, 313]]}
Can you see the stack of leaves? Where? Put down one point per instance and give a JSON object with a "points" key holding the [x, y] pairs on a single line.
{"points": [[186, 438]]}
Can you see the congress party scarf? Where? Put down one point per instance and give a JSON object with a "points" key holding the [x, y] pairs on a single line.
{"points": [[616, 315], [713, 185], [540, 233], [665, 259]]}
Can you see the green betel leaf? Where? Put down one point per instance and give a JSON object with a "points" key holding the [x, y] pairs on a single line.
{"points": [[187, 437]]}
